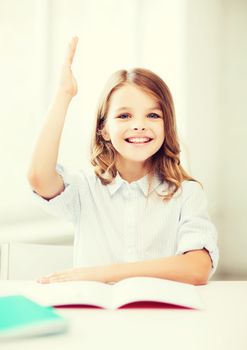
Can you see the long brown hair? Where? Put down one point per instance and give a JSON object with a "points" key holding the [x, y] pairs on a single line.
{"points": [[166, 161]]}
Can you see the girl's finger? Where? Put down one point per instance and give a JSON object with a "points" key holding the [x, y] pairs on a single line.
{"points": [[48, 278], [43, 280], [71, 50]]}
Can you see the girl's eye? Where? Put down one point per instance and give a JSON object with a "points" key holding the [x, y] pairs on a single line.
{"points": [[123, 116], [154, 116]]}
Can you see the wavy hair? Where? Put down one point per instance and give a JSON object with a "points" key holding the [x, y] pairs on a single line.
{"points": [[166, 161]]}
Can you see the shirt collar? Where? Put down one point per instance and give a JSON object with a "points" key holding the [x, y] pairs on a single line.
{"points": [[142, 183]]}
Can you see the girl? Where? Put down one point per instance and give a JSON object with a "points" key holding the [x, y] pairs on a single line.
{"points": [[136, 212]]}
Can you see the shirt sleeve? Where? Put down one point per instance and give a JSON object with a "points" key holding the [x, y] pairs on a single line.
{"points": [[196, 231], [66, 205]]}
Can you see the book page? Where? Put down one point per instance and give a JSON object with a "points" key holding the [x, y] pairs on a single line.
{"points": [[154, 289], [69, 293]]}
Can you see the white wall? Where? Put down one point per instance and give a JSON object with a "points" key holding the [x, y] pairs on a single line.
{"points": [[203, 60], [113, 35], [233, 131], [197, 46], [217, 124]]}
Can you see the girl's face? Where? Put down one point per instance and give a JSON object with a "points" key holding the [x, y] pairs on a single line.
{"points": [[134, 124]]}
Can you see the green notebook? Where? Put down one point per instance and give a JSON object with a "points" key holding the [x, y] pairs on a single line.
{"points": [[20, 316]]}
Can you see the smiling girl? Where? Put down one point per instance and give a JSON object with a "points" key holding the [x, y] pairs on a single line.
{"points": [[136, 212]]}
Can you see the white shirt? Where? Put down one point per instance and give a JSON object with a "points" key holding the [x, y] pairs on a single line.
{"points": [[119, 223]]}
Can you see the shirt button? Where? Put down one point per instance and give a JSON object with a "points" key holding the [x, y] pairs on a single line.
{"points": [[133, 185]]}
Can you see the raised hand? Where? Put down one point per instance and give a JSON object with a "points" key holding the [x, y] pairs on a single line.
{"points": [[67, 82]]}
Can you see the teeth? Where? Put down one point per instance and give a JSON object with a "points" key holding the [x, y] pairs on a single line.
{"points": [[138, 139]]}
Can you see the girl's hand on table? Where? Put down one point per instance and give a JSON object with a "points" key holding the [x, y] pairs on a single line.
{"points": [[92, 273]]}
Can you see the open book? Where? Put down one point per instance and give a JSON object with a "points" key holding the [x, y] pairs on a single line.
{"points": [[114, 296]]}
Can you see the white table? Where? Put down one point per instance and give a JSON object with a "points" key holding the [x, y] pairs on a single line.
{"points": [[221, 325]]}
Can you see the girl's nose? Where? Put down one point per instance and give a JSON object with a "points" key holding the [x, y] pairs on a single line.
{"points": [[136, 128], [138, 124]]}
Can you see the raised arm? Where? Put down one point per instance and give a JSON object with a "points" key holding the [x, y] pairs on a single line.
{"points": [[42, 174]]}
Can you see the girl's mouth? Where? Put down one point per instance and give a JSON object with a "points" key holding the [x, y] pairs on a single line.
{"points": [[138, 140]]}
